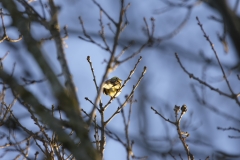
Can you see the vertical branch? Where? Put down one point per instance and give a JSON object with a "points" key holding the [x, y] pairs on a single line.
{"points": [[55, 31], [96, 136], [102, 128], [111, 60], [126, 122]]}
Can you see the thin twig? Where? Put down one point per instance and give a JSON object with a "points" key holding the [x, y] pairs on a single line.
{"points": [[124, 83], [5, 36], [216, 55], [108, 16], [89, 38], [182, 135], [94, 77], [102, 33], [166, 119], [129, 97], [203, 82]]}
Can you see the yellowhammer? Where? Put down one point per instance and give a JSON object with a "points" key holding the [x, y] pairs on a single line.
{"points": [[112, 86]]}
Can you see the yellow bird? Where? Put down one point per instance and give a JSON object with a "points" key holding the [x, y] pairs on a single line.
{"points": [[112, 87]]}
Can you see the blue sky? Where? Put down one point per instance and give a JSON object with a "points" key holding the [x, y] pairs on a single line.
{"points": [[164, 85]]}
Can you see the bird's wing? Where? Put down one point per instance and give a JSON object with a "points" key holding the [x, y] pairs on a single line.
{"points": [[107, 84], [117, 85]]}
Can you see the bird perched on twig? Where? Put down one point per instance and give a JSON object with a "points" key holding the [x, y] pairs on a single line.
{"points": [[112, 87]]}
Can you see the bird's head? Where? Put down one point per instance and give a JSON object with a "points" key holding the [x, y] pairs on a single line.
{"points": [[116, 79]]}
